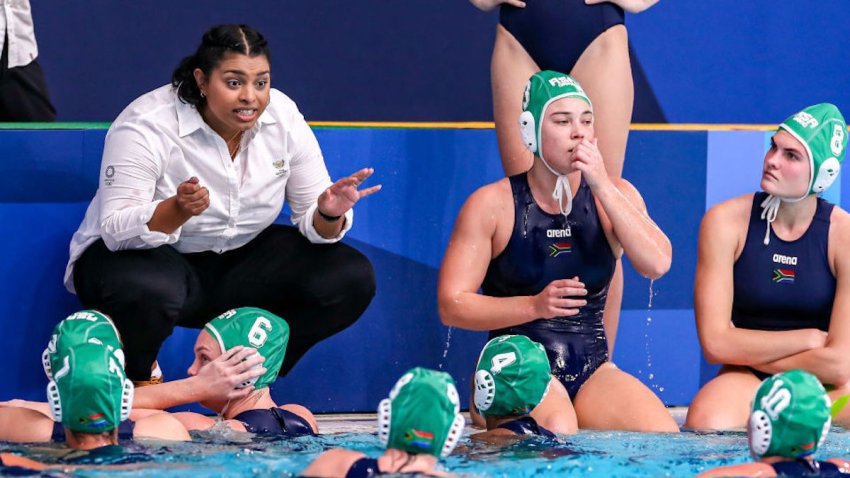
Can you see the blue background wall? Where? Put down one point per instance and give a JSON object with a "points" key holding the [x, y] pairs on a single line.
{"points": [[48, 177], [719, 61]]}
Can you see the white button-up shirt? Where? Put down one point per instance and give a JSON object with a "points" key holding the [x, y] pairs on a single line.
{"points": [[158, 142], [16, 21]]}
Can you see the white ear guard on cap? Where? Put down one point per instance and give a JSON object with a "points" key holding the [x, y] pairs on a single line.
{"points": [[53, 391], [454, 435], [528, 131], [761, 432], [45, 363], [485, 390], [250, 381], [826, 175], [54, 401], [45, 356], [127, 396], [384, 413]]}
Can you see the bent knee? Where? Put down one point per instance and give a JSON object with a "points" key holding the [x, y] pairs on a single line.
{"points": [[353, 276], [703, 417], [359, 278]]}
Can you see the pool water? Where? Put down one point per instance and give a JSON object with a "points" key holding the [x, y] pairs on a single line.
{"points": [[586, 454]]}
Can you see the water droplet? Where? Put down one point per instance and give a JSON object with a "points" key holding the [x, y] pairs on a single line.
{"points": [[651, 282], [446, 350]]}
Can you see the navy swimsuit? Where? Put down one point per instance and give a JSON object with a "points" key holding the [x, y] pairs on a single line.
{"points": [[125, 431], [364, 468], [784, 285], [556, 32], [527, 426], [802, 467], [275, 422], [544, 247]]}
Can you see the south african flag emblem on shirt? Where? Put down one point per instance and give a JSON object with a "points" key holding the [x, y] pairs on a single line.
{"points": [[559, 248], [419, 439], [784, 276]]}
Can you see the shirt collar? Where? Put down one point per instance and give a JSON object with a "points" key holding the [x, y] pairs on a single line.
{"points": [[188, 118], [267, 117]]}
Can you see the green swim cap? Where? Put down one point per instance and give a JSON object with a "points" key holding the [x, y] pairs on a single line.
{"points": [[422, 414], [790, 416], [822, 130], [542, 89], [255, 328], [85, 326], [512, 376], [89, 392]]}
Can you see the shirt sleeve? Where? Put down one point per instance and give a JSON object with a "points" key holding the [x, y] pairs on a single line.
{"points": [[129, 172], [309, 178]]}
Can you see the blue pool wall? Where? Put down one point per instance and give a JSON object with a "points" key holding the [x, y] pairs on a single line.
{"points": [[49, 176]]}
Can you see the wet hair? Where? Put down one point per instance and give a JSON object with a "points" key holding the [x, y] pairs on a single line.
{"points": [[217, 42], [80, 436]]}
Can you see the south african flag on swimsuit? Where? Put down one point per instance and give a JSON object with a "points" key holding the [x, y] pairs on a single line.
{"points": [[784, 276], [559, 248]]}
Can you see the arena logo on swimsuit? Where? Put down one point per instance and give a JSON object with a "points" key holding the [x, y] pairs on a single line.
{"points": [[552, 233], [787, 260]]}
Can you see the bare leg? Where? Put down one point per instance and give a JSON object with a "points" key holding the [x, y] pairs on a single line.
{"points": [[604, 71], [614, 400], [510, 69], [555, 412], [611, 314], [724, 402]]}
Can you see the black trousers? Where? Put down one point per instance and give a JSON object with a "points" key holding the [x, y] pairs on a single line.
{"points": [[320, 289], [23, 92]]}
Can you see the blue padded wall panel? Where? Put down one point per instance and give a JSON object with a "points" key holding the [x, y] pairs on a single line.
{"points": [[726, 61], [669, 171], [660, 348], [425, 174], [50, 165], [734, 164], [32, 264]]}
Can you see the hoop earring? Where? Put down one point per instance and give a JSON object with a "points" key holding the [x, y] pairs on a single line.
{"points": [[203, 95]]}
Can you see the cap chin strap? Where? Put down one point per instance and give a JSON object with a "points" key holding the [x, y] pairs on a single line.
{"points": [[562, 189], [770, 207]]}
